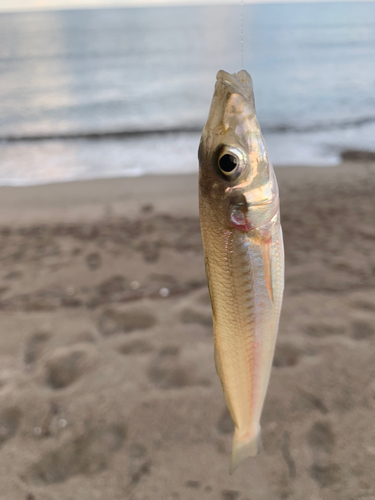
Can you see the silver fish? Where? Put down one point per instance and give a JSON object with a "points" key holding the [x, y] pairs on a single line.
{"points": [[244, 255]]}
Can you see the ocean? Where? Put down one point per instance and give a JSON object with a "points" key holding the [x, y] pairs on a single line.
{"points": [[125, 92]]}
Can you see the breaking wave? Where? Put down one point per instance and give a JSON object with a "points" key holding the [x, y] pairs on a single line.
{"points": [[193, 129]]}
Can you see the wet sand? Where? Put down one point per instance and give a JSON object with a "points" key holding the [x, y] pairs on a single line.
{"points": [[107, 382]]}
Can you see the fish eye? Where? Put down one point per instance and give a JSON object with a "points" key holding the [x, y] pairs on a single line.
{"points": [[231, 162], [227, 163]]}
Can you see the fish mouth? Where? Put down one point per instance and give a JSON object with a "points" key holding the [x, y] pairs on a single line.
{"points": [[231, 109], [238, 83]]}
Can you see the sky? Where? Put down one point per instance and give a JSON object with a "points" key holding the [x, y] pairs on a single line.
{"points": [[6, 5]]}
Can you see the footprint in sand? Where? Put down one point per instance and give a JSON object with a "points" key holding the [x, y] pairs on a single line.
{"points": [[229, 494], [286, 355], [150, 250], [325, 474], [147, 208], [321, 437], [137, 450], [194, 316], [321, 330], [35, 346], [192, 484], [321, 440], [225, 423], [76, 251], [113, 321], [364, 301], [85, 336], [311, 401], [67, 364], [111, 286], [166, 371], [287, 455], [93, 261], [362, 330], [135, 347], [141, 471], [14, 275], [88, 453], [364, 305], [110, 290], [9, 422]]}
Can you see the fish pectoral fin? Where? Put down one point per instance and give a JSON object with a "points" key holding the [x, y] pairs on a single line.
{"points": [[220, 373], [266, 245], [217, 364], [243, 447]]}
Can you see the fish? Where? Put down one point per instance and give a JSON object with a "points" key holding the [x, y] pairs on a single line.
{"points": [[239, 213]]}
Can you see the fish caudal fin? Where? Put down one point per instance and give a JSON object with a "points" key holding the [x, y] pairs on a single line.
{"points": [[250, 446]]}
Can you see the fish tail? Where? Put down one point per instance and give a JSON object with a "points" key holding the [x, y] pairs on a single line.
{"points": [[243, 447]]}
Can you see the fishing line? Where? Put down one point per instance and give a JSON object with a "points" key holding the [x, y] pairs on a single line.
{"points": [[242, 34]]}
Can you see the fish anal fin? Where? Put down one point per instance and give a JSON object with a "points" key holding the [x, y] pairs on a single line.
{"points": [[266, 245]]}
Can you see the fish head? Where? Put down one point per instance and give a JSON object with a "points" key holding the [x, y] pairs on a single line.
{"points": [[236, 177]]}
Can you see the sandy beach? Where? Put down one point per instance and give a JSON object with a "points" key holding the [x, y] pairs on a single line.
{"points": [[108, 389]]}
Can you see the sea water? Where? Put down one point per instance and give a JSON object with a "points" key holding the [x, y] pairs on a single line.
{"points": [[124, 92]]}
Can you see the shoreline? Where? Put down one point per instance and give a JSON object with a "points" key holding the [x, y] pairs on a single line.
{"points": [[125, 196], [47, 161]]}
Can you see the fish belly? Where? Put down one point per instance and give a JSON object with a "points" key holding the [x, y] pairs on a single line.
{"points": [[246, 319]]}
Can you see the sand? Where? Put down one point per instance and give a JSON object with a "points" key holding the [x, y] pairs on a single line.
{"points": [[107, 382]]}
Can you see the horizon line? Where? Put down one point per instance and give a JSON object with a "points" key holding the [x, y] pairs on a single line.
{"points": [[159, 3]]}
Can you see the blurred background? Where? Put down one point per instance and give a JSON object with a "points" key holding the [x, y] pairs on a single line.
{"points": [[112, 92], [108, 388]]}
